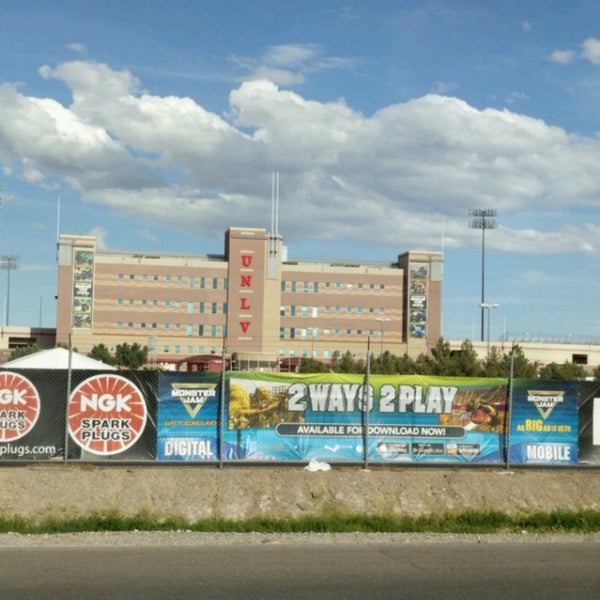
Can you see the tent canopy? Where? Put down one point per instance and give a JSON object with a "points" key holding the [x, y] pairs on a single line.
{"points": [[57, 358]]}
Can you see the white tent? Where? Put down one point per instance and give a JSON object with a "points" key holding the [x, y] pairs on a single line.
{"points": [[57, 358]]}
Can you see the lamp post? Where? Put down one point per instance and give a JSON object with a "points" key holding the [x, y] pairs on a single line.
{"points": [[8, 263], [488, 307], [483, 219], [381, 320]]}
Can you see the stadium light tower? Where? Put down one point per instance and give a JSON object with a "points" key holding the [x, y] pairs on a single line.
{"points": [[483, 218], [8, 264]]}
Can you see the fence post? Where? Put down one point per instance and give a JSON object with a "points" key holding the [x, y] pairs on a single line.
{"points": [[509, 407], [222, 406]]}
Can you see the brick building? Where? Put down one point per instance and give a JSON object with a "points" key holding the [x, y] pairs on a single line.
{"points": [[263, 307]]}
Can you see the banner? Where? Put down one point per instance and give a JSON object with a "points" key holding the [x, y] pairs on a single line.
{"points": [[544, 423], [323, 417], [188, 416]]}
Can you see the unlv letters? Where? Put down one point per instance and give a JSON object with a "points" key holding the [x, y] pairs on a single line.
{"points": [[245, 284]]}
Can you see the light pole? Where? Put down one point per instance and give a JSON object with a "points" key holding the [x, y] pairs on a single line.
{"points": [[381, 320], [483, 220], [8, 263], [488, 307]]}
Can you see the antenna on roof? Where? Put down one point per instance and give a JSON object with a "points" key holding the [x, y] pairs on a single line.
{"points": [[57, 226], [274, 213]]}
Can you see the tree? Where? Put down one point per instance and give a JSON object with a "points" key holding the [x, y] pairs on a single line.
{"points": [[23, 351], [131, 356], [312, 365], [102, 353], [568, 371], [466, 361]]}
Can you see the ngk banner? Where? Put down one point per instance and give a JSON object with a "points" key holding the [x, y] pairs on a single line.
{"points": [[329, 417], [32, 414], [112, 416]]}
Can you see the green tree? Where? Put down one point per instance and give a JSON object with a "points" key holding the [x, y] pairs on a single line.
{"points": [[23, 351], [596, 372], [131, 356], [523, 368], [102, 353], [312, 365], [568, 371], [495, 364], [347, 364], [405, 365], [465, 361]]}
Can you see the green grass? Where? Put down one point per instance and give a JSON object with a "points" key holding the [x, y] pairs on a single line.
{"points": [[481, 522]]}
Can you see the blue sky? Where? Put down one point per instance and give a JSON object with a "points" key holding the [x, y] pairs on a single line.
{"points": [[159, 124]]}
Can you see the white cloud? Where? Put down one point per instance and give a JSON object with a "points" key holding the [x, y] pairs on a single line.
{"points": [[343, 175], [562, 57], [77, 47], [526, 26], [591, 50], [289, 64]]}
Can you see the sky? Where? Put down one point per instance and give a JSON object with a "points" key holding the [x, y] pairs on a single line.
{"points": [[158, 125]]}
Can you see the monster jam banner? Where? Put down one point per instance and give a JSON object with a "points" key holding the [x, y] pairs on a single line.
{"points": [[544, 422], [106, 416], [323, 417], [188, 416]]}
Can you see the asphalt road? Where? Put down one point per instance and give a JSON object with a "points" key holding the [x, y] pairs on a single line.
{"points": [[445, 567]]}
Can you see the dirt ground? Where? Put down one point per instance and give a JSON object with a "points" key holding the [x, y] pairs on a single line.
{"points": [[196, 492]]}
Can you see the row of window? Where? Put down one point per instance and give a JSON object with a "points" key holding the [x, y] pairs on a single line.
{"points": [[304, 353], [313, 311], [216, 283], [203, 307], [315, 286], [212, 283], [221, 308], [293, 333], [190, 330]]}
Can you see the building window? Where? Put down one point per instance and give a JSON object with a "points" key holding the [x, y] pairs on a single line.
{"points": [[316, 287], [281, 333], [130, 325], [179, 278], [305, 311], [190, 330], [225, 283], [177, 349], [293, 310], [201, 330], [192, 283], [167, 303], [292, 333], [119, 301], [154, 302], [119, 324], [120, 276], [154, 325], [315, 312], [167, 278], [224, 308], [144, 302], [144, 277], [303, 334], [131, 276], [190, 308], [202, 283], [189, 349], [131, 302], [167, 326], [155, 278], [282, 311], [283, 286], [166, 349], [305, 286], [213, 331], [201, 307], [143, 325], [293, 286], [215, 283], [213, 308]]}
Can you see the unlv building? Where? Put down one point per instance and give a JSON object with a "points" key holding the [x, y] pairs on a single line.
{"points": [[264, 308]]}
